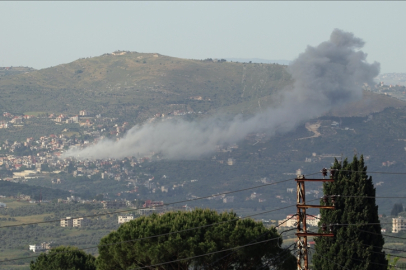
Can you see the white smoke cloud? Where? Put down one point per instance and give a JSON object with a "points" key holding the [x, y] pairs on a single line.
{"points": [[326, 76]]}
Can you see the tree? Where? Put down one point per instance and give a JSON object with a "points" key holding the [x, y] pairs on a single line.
{"points": [[231, 232], [64, 258], [392, 262], [356, 247], [397, 208]]}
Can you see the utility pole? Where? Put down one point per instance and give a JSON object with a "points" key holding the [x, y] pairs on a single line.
{"points": [[301, 233]]}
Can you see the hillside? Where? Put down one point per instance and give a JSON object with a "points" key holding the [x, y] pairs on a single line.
{"points": [[133, 86], [140, 84]]}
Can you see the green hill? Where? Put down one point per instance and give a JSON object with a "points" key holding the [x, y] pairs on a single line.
{"points": [[142, 84], [136, 86]]}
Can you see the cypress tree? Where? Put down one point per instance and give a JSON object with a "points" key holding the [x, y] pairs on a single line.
{"points": [[355, 247], [397, 208]]}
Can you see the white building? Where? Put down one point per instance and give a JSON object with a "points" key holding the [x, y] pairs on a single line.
{"points": [[124, 219], [79, 222], [73, 222], [310, 221], [398, 224], [67, 222], [42, 247], [231, 161]]}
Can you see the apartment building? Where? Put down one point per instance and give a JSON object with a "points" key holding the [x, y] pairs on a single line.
{"points": [[398, 224], [124, 219]]}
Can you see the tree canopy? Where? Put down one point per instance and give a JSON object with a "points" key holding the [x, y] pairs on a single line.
{"points": [[230, 232], [64, 258], [397, 208], [356, 247]]}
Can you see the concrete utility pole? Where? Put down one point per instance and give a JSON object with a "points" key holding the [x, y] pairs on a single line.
{"points": [[301, 233]]}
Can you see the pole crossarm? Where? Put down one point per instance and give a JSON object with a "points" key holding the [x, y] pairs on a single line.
{"points": [[313, 180], [315, 234], [314, 206]]}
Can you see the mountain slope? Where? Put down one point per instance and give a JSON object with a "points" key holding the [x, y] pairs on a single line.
{"points": [[136, 86], [140, 83]]}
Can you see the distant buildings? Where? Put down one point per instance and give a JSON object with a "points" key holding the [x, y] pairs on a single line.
{"points": [[73, 222], [113, 204], [149, 203], [124, 219], [290, 221]]}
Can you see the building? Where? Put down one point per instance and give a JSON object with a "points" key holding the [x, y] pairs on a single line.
{"points": [[124, 219], [83, 113], [67, 222], [80, 222], [313, 221], [231, 161], [398, 224], [73, 222], [42, 247], [113, 204], [149, 203], [290, 221], [228, 199]]}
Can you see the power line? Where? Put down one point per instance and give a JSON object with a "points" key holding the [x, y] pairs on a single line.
{"points": [[287, 250], [167, 204], [257, 239], [354, 224], [375, 251], [368, 172], [206, 254], [154, 236], [369, 197], [316, 254], [329, 259]]}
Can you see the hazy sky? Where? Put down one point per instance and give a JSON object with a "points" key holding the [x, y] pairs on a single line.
{"points": [[43, 34]]}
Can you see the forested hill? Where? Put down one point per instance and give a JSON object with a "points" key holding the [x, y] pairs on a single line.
{"points": [[142, 84]]}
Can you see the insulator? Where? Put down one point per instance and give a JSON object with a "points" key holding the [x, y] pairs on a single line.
{"points": [[325, 199], [333, 199], [331, 227], [332, 173], [324, 172], [324, 227]]}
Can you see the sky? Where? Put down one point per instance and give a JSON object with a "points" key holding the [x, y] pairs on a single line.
{"points": [[44, 34]]}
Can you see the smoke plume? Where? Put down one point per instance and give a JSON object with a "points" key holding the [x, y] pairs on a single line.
{"points": [[326, 76]]}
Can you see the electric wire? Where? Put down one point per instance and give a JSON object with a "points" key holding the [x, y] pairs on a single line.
{"points": [[199, 198], [367, 172], [377, 252], [206, 254], [155, 236], [283, 259], [167, 204], [374, 234], [256, 239]]}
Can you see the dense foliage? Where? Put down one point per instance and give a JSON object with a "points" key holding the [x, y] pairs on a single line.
{"points": [[8, 188], [228, 232], [64, 258], [355, 246]]}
